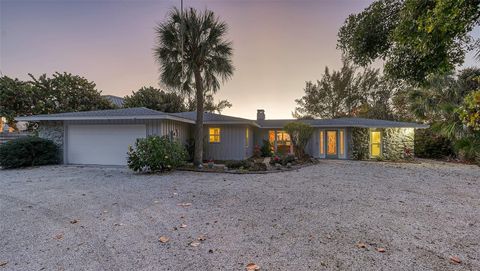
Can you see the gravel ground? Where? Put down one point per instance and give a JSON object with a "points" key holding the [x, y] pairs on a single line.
{"points": [[98, 218]]}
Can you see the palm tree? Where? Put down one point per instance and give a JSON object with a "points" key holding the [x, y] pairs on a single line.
{"points": [[200, 64]]}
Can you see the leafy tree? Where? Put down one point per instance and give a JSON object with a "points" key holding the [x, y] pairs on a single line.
{"points": [[448, 103], [16, 98], [64, 92], [209, 104], [192, 51], [470, 111], [155, 99], [329, 97], [347, 93], [416, 38], [299, 133]]}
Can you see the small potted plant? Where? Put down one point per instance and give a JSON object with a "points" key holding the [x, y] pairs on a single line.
{"points": [[210, 163]]}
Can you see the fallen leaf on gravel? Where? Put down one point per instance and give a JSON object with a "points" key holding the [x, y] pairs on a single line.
{"points": [[74, 221], [381, 249], [252, 267], [59, 236], [185, 204], [163, 239], [361, 245], [3, 264], [202, 238], [455, 260], [194, 244], [183, 226]]}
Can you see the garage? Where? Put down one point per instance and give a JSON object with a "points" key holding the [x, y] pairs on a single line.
{"points": [[101, 144]]}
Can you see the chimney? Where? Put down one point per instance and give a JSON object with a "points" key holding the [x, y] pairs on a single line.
{"points": [[260, 114]]}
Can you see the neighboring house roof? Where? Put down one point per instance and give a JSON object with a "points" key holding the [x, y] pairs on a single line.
{"points": [[342, 122], [124, 113], [212, 118], [115, 100]]}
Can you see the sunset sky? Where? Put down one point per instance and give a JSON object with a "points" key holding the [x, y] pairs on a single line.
{"points": [[278, 45]]}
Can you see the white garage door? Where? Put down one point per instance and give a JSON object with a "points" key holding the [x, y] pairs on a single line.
{"points": [[101, 144]]}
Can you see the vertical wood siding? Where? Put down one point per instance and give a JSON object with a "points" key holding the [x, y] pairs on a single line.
{"points": [[231, 145]]}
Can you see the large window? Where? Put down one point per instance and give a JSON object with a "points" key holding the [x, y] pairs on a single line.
{"points": [[375, 144], [246, 138], [341, 142], [214, 135], [322, 143]]}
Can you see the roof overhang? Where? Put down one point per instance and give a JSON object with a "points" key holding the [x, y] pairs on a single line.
{"points": [[231, 123], [146, 117], [417, 126]]}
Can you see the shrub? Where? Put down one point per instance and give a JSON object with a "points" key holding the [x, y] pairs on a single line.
{"points": [[266, 149], [257, 152], [300, 134], [27, 152], [429, 144], [156, 154], [233, 164]]}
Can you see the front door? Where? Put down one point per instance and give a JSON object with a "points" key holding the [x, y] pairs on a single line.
{"points": [[332, 144]]}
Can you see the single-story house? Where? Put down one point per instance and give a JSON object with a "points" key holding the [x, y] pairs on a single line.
{"points": [[102, 137]]}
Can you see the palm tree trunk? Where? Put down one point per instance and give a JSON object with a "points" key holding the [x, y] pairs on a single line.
{"points": [[198, 155]]}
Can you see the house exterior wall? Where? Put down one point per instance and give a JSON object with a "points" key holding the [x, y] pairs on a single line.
{"points": [[313, 145], [232, 143], [394, 143]]}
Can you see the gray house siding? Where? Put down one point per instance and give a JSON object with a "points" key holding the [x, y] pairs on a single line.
{"points": [[232, 143]]}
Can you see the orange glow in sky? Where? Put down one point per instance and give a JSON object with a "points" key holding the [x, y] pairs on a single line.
{"points": [[278, 45]]}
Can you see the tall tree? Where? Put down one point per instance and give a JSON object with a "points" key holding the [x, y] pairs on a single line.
{"points": [[16, 98], [193, 51], [62, 92], [65, 92], [156, 99], [347, 93], [416, 38]]}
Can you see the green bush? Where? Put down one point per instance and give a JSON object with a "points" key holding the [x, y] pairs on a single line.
{"points": [[27, 152], [430, 144], [156, 154], [234, 164], [300, 134], [266, 149]]}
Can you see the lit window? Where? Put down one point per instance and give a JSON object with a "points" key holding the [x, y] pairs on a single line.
{"points": [[214, 135], [246, 138], [342, 143], [283, 138], [322, 143], [375, 144]]}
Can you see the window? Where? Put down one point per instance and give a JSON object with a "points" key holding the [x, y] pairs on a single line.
{"points": [[322, 143], [375, 144], [246, 138], [214, 135], [342, 142], [332, 143], [283, 138]]}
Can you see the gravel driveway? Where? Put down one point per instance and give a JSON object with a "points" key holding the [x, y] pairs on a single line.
{"points": [[98, 218]]}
